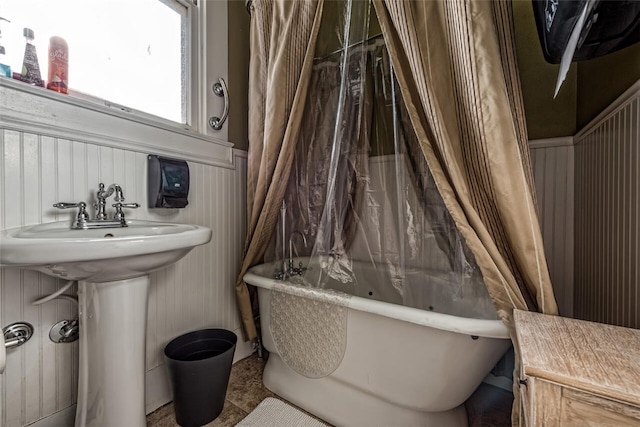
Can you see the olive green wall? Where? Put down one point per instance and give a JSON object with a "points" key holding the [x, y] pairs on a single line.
{"points": [[589, 88], [328, 40], [239, 27], [331, 33], [546, 117], [238, 74], [602, 80]]}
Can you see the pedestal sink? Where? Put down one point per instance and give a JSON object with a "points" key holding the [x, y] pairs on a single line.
{"points": [[111, 266]]}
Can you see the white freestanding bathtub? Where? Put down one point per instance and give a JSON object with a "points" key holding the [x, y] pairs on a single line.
{"points": [[355, 361]]}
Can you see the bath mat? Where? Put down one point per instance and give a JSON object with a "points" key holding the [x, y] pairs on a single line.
{"points": [[309, 328], [275, 413]]}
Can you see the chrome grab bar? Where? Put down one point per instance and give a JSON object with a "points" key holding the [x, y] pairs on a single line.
{"points": [[220, 89]]}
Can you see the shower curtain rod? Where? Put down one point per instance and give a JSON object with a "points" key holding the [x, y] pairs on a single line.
{"points": [[322, 58]]}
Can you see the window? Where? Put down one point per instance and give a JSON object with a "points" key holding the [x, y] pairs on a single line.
{"points": [[133, 53]]}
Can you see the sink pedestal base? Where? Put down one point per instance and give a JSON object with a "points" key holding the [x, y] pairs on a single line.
{"points": [[113, 322]]}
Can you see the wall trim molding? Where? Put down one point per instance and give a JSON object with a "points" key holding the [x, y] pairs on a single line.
{"points": [[157, 388], [63, 418], [240, 153], [35, 110], [627, 96], [562, 141], [620, 102]]}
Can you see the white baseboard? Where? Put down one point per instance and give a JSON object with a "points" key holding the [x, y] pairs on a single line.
{"points": [[243, 349], [64, 418], [157, 387]]}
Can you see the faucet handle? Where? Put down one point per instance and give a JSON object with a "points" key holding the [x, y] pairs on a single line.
{"points": [[126, 205], [119, 215], [81, 218], [67, 205]]}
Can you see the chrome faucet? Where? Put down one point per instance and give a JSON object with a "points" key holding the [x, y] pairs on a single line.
{"points": [[101, 196], [291, 236], [101, 220], [289, 269]]}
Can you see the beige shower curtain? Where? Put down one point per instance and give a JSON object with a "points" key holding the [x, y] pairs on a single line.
{"points": [[456, 67], [455, 63], [283, 35]]}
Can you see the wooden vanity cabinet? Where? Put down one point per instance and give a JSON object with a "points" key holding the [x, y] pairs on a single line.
{"points": [[578, 373]]}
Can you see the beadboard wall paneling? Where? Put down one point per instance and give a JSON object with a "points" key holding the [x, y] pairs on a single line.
{"points": [[553, 166], [607, 220], [37, 171]]}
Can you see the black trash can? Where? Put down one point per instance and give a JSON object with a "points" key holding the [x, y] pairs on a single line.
{"points": [[199, 366]]}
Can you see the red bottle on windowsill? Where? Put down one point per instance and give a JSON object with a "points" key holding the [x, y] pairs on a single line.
{"points": [[58, 65]]}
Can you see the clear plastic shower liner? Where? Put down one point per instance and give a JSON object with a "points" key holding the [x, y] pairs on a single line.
{"points": [[360, 190]]}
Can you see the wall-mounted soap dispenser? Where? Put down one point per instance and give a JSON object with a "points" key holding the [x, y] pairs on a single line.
{"points": [[168, 182]]}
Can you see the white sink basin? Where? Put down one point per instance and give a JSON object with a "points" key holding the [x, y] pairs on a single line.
{"points": [[111, 265], [99, 255]]}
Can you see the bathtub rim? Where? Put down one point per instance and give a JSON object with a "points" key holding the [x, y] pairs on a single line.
{"points": [[445, 322]]}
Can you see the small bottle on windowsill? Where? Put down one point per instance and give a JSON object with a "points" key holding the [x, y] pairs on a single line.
{"points": [[58, 65], [30, 67], [5, 69]]}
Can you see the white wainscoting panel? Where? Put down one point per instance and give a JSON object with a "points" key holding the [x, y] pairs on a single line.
{"points": [[607, 232], [553, 167], [37, 171]]}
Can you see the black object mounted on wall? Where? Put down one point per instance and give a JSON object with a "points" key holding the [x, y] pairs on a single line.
{"points": [[167, 182], [608, 26]]}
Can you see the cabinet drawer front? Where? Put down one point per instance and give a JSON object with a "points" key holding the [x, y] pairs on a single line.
{"points": [[585, 410]]}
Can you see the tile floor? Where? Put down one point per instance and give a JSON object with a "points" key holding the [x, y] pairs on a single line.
{"points": [[488, 407]]}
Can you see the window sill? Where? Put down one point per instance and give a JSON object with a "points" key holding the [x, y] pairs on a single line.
{"points": [[37, 110]]}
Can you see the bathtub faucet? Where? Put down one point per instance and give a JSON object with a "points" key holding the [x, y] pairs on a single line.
{"points": [[290, 269]]}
